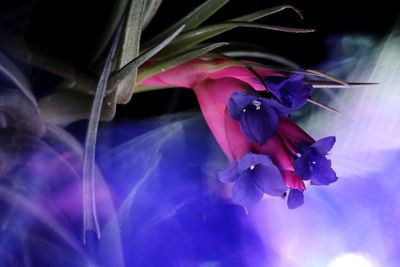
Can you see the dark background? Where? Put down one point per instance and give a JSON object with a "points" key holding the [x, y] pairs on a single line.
{"points": [[69, 30]]}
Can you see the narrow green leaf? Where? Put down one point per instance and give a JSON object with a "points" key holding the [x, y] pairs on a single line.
{"points": [[199, 35], [134, 64], [129, 49], [151, 8], [326, 76], [267, 12], [168, 63], [90, 221], [261, 55], [191, 20], [330, 84], [246, 18], [322, 105]]}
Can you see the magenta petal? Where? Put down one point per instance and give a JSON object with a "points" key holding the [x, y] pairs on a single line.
{"points": [[185, 75], [213, 97], [238, 144], [245, 192], [243, 74], [292, 135], [293, 181], [279, 154]]}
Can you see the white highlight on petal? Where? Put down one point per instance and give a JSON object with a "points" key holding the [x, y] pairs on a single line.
{"points": [[257, 104]]}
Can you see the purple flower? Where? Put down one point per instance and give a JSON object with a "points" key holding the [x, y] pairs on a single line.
{"points": [[295, 198], [313, 164], [258, 116], [292, 91], [253, 176]]}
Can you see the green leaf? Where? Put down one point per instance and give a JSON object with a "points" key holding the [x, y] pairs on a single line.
{"points": [[113, 20], [330, 84], [66, 106], [242, 19], [191, 20], [322, 105], [168, 63], [267, 12], [261, 55], [199, 35], [151, 8], [326, 76], [129, 49], [134, 64], [90, 221]]}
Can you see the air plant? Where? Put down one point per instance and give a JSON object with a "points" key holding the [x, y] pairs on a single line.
{"points": [[246, 104]]}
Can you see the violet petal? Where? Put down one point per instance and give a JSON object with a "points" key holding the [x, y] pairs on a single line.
{"points": [[237, 102], [230, 174], [324, 145], [295, 199], [245, 192], [258, 122], [269, 179]]}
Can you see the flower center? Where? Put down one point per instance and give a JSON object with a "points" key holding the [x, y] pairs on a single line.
{"points": [[257, 104], [252, 167]]}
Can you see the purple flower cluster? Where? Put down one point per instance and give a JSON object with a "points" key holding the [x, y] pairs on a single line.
{"points": [[260, 171]]}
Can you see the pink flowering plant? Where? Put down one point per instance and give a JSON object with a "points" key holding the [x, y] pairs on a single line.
{"points": [[248, 108]]}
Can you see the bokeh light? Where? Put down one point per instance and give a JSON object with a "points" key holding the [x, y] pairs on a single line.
{"points": [[350, 260]]}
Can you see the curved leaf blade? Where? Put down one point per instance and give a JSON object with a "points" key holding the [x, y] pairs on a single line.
{"points": [[322, 105], [132, 66], [330, 84], [267, 12], [261, 55], [196, 36], [151, 9], [90, 220], [191, 20], [129, 49]]}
